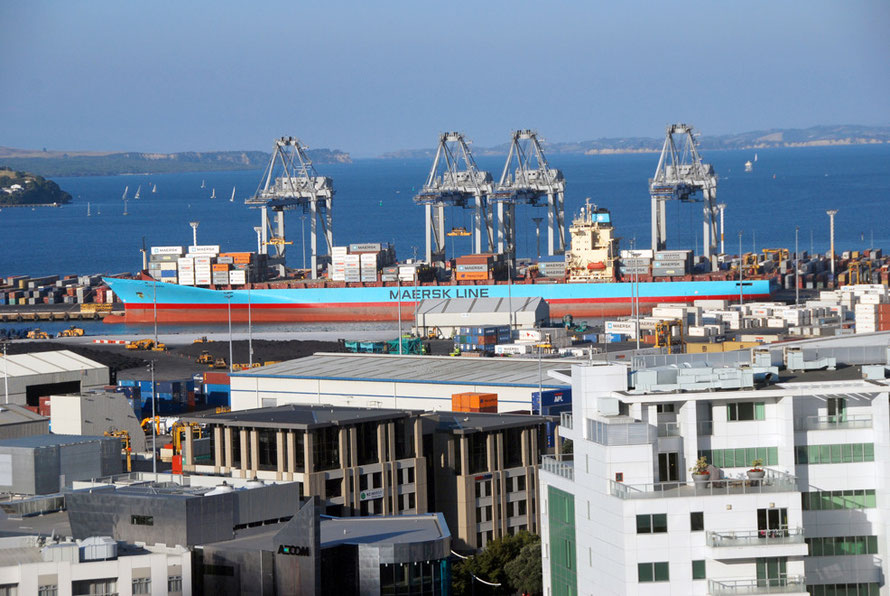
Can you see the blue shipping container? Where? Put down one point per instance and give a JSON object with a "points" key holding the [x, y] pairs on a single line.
{"points": [[552, 397]]}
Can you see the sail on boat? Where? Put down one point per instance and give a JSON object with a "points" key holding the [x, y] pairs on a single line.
{"points": [[213, 194], [755, 158], [154, 189], [232, 199], [203, 185], [88, 210], [138, 190], [126, 188]]}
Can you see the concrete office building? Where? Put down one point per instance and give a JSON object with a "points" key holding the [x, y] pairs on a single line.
{"points": [[45, 464], [403, 554], [623, 515], [29, 377], [31, 564], [484, 473], [171, 514], [95, 413], [391, 381], [18, 421], [359, 461]]}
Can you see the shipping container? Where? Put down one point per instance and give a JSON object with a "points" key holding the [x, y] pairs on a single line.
{"points": [[474, 402]]}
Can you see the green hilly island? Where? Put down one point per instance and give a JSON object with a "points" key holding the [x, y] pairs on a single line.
{"points": [[23, 188]]}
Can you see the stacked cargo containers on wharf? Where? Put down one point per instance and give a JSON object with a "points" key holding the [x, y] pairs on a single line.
{"points": [[22, 290]]}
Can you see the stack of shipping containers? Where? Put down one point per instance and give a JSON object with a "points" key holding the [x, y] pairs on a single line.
{"points": [[636, 262], [672, 263], [20, 290], [481, 339], [554, 269]]}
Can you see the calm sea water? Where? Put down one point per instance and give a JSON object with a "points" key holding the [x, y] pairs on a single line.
{"points": [[373, 202]]}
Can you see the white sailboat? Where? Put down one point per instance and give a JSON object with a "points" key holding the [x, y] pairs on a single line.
{"points": [[749, 167], [213, 194], [88, 210], [138, 190], [203, 185], [154, 189], [126, 188], [755, 158], [232, 199]]}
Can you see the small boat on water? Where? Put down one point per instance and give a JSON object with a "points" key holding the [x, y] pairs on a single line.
{"points": [[213, 194], [232, 199]]}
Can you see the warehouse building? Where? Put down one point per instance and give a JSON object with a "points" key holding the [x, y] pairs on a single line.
{"points": [[484, 473], [391, 381], [18, 421], [360, 461], [445, 316], [28, 377], [44, 464]]}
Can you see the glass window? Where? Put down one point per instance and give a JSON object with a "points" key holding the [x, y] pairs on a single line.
{"points": [[48, 590], [698, 569], [772, 456], [857, 451], [645, 572], [142, 585], [662, 572], [868, 452], [697, 521], [652, 524]]}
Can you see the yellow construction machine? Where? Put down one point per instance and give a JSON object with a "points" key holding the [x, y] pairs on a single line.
{"points": [[71, 332], [38, 334]]}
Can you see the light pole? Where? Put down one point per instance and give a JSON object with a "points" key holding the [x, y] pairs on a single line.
{"points": [[831, 213], [228, 296], [796, 267], [5, 374], [399, 306], [249, 323], [741, 272], [154, 296], [538, 221], [194, 225], [154, 424]]}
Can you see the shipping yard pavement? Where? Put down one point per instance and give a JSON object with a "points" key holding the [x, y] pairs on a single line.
{"points": [[178, 362]]}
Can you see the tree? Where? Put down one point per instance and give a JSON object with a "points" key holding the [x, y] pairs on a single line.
{"points": [[512, 561]]}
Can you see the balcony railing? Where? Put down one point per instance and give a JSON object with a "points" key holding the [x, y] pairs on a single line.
{"points": [[773, 482], [705, 427], [756, 537], [621, 433], [739, 587], [668, 429], [833, 422], [565, 420], [564, 466]]}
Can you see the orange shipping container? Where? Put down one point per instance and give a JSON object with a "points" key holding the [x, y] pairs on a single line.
{"points": [[471, 275], [474, 402], [236, 255], [220, 267]]}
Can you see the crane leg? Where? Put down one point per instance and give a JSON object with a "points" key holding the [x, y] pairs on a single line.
{"points": [[654, 223], [429, 233], [501, 227], [440, 229], [550, 234], [313, 237], [560, 221], [662, 224]]}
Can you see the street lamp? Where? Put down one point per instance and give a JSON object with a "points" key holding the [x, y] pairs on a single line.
{"points": [[154, 424], [194, 225], [228, 297], [796, 267], [741, 272]]}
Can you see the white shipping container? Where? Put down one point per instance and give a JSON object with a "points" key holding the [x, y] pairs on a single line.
{"points": [[513, 349], [207, 249], [168, 267], [697, 332], [238, 277], [202, 261], [775, 323], [166, 250], [530, 335]]}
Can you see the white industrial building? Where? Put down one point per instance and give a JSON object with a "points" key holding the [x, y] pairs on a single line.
{"points": [[623, 515], [392, 381], [96, 413], [447, 315], [25, 378]]}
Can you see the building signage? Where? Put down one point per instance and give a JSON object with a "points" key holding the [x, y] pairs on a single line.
{"points": [[370, 494], [166, 250], [208, 249], [293, 550], [436, 293]]}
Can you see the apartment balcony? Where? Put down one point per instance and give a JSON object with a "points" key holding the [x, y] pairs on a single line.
{"points": [[668, 429], [565, 420], [833, 422], [561, 466], [749, 544], [773, 482], [741, 587]]}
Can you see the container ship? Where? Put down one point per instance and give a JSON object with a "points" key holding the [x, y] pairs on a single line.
{"points": [[200, 284]]}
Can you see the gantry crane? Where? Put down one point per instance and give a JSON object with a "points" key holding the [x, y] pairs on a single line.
{"points": [[531, 180], [290, 181], [447, 184], [681, 175]]}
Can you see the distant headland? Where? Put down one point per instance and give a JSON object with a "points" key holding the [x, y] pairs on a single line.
{"points": [[97, 163], [18, 189]]}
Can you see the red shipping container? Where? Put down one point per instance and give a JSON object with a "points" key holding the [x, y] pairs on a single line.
{"points": [[216, 378]]}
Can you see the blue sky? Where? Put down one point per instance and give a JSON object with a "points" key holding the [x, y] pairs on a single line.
{"points": [[369, 77]]}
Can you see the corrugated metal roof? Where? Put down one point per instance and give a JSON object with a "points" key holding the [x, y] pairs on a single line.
{"points": [[35, 363], [13, 414], [478, 305], [512, 372], [50, 440], [300, 416]]}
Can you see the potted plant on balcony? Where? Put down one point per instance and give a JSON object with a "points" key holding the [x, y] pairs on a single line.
{"points": [[756, 472], [700, 472]]}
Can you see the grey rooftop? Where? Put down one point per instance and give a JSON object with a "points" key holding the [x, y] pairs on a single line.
{"points": [[301, 416]]}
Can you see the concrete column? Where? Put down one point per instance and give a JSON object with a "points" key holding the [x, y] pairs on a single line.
{"points": [[245, 462], [308, 463], [464, 455], [291, 454], [531, 485], [418, 437], [254, 451], [384, 470], [524, 443], [347, 455], [217, 449], [227, 440], [393, 468], [280, 455]]}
